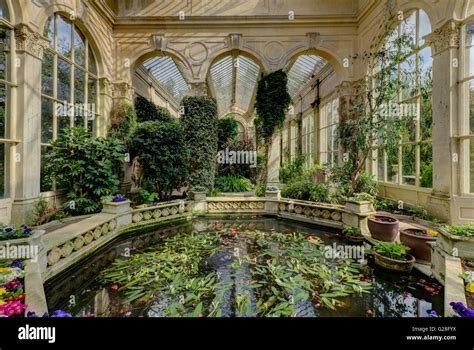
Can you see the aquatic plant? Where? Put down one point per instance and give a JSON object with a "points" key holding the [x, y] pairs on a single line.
{"points": [[227, 273]]}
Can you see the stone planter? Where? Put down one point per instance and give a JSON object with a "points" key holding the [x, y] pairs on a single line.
{"points": [[383, 228], [355, 238], [33, 242], [359, 206], [116, 208], [454, 245], [198, 196], [394, 264], [420, 250], [273, 194]]}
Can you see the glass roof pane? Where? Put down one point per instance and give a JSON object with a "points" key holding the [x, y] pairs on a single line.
{"points": [[247, 75], [222, 79], [166, 72], [304, 68]]}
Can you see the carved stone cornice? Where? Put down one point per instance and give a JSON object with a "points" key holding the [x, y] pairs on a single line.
{"points": [[445, 37], [106, 87], [30, 41]]}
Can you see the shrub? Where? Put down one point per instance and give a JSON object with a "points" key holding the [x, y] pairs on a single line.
{"points": [[162, 154], [199, 124], [86, 167], [233, 184], [320, 193], [466, 230], [292, 171], [351, 230], [260, 190], [227, 130], [427, 177], [393, 250], [123, 122], [307, 191], [43, 213], [145, 197], [363, 197], [148, 111]]}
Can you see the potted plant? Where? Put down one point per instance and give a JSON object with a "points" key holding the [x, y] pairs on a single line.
{"points": [[272, 192], [393, 256], [360, 203], [198, 193], [353, 234], [383, 228], [457, 240], [117, 204], [416, 239]]}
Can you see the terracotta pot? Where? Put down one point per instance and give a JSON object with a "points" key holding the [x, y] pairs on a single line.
{"points": [[394, 264], [386, 230], [420, 250]]}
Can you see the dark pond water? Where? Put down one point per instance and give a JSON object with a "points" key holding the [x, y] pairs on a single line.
{"points": [[81, 291]]}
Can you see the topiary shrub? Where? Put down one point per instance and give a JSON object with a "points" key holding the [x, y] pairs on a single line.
{"points": [[163, 155], [227, 130], [199, 123], [148, 111], [86, 168]]}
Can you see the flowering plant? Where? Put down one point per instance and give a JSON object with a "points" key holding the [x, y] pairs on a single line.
{"points": [[119, 198], [12, 294], [12, 232], [272, 188]]}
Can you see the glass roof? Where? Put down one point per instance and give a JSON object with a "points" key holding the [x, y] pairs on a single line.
{"points": [[301, 72], [168, 74], [234, 87]]}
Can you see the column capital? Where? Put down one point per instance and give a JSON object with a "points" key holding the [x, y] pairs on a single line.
{"points": [[106, 87], [348, 88], [28, 40], [122, 90], [445, 37]]}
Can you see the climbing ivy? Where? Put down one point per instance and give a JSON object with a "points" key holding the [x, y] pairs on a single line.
{"points": [[147, 110], [199, 123]]}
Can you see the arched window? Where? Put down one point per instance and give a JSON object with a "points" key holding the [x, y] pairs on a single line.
{"points": [[69, 84], [6, 130], [411, 163], [468, 125]]}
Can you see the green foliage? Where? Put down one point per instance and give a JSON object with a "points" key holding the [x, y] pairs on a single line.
{"points": [[342, 175], [163, 155], [308, 191], [8, 232], [233, 184], [227, 130], [272, 101], [260, 190], [43, 213], [351, 230], [123, 123], [145, 197], [392, 250], [363, 197], [293, 171], [148, 111], [199, 124], [213, 193], [466, 230], [427, 177], [86, 167]]}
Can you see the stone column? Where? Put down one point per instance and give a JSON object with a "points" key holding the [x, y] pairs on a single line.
{"points": [[273, 161], [445, 50], [105, 106], [29, 54]]}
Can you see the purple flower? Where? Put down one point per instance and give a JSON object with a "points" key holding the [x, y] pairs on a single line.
{"points": [[119, 198], [61, 313], [8, 229], [461, 310], [17, 263], [26, 230]]}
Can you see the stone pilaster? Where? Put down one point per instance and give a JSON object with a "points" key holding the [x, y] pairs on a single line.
{"points": [[199, 88], [444, 42], [29, 54]]}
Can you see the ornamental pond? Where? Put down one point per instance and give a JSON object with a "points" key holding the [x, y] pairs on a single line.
{"points": [[238, 267]]}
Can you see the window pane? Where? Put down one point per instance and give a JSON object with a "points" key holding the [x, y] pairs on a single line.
{"points": [[380, 165], [3, 55], [408, 77], [46, 179], [426, 165], [425, 27], [392, 165], [409, 161], [425, 68], [471, 152], [47, 74], [470, 47], [426, 117], [64, 80], [92, 62], [471, 105], [3, 111], [64, 122], [49, 31], [46, 120], [64, 37], [3, 172], [408, 29], [79, 48]]}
